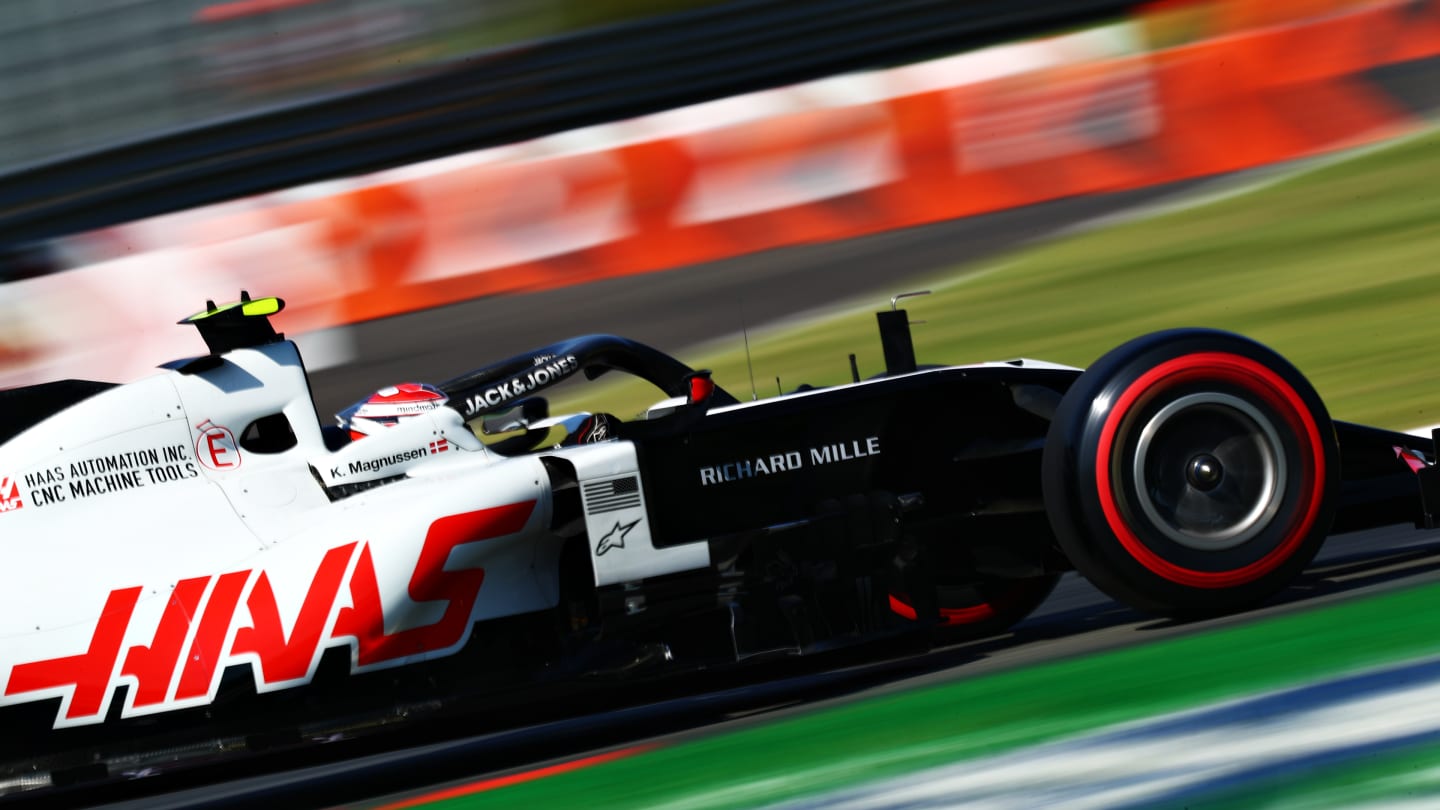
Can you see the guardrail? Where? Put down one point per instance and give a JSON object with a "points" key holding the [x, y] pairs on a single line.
{"points": [[507, 96]]}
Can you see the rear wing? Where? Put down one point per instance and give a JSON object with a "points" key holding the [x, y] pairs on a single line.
{"points": [[242, 324]]}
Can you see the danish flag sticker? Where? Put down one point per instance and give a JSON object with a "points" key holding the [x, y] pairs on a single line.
{"points": [[10, 495], [216, 447]]}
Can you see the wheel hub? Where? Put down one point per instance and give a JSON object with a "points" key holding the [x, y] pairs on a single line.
{"points": [[1204, 472], [1209, 471]]}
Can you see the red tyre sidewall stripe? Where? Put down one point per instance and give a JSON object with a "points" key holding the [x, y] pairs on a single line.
{"points": [[1257, 379], [902, 608], [951, 617]]}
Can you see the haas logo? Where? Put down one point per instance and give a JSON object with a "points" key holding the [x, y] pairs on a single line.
{"points": [[214, 621], [9, 495]]}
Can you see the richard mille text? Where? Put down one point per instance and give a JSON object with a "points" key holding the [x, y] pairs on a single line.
{"points": [[789, 461]]}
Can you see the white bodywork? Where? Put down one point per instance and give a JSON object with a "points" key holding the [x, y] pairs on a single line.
{"points": [[149, 541]]}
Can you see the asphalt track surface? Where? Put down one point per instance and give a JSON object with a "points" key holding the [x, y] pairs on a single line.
{"points": [[683, 308]]}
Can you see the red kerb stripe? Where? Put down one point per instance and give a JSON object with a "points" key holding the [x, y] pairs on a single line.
{"points": [[517, 778]]}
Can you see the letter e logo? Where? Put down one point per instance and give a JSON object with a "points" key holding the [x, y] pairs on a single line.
{"points": [[216, 447]]}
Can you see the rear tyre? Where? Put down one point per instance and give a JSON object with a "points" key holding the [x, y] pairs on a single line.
{"points": [[1189, 473]]}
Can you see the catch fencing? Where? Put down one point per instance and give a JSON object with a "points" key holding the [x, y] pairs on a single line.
{"points": [[491, 97]]}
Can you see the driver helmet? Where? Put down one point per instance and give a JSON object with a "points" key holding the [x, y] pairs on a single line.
{"points": [[386, 407]]}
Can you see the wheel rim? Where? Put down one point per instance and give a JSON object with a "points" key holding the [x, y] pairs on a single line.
{"points": [[1208, 471]]}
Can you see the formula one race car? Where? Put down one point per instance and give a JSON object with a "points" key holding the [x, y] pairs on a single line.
{"points": [[193, 553]]}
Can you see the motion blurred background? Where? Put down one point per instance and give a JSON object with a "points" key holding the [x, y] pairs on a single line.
{"points": [[514, 171], [80, 74]]}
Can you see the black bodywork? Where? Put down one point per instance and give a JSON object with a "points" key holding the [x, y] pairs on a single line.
{"points": [[872, 501], [821, 505]]}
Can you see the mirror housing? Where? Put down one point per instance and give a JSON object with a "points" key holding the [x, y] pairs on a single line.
{"points": [[698, 389]]}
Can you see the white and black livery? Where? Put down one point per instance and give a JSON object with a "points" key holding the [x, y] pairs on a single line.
{"points": [[193, 555]]}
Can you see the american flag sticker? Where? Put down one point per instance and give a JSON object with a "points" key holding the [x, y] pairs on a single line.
{"points": [[612, 495]]}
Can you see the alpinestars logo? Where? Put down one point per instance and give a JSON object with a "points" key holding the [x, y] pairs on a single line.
{"points": [[615, 538], [10, 495]]}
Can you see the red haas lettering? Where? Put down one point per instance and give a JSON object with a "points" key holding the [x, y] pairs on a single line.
{"points": [[285, 656], [429, 583], [216, 447], [10, 495], [153, 666], [208, 647], [88, 675]]}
